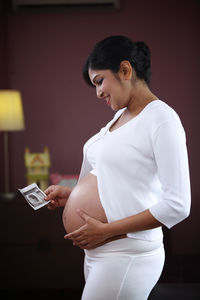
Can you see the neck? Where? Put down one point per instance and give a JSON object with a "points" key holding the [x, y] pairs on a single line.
{"points": [[140, 97]]}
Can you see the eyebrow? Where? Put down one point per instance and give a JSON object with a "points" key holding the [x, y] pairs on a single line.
{"points": [[94, 79]]}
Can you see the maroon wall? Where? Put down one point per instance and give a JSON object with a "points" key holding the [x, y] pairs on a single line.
{"points": [[46, 53]]}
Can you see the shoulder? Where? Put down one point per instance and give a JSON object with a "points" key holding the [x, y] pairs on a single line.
{"points": [[159, 113], [164, 122]]}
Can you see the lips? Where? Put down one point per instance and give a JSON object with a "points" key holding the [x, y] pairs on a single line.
{"points": [[107, 99]]}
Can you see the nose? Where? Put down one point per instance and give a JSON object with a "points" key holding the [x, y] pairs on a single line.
{"points": [[99, 93]]}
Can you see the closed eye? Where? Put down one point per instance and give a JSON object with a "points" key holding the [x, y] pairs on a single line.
{"points": [[99, 82]]}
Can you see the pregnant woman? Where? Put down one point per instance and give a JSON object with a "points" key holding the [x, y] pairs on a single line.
{"points": [[134, 178]]}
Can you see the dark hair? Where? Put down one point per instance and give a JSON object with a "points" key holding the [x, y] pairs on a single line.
{"points": [[108, 54]]}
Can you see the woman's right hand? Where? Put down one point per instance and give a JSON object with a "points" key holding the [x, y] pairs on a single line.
{"points": [[58, 196]]}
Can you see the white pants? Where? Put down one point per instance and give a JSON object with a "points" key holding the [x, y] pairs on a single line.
{"points": [[125, 269]]}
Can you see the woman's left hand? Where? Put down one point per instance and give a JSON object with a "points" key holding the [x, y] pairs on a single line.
{"points": [[90, 235]]}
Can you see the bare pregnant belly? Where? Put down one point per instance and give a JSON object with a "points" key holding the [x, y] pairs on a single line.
{"points": [[86, 197]]}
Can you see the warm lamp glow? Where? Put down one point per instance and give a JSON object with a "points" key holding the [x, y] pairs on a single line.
{"points": [[11, 111]]}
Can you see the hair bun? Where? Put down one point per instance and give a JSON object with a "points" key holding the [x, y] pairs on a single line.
{"points": [[143, 61], [142, 48]]}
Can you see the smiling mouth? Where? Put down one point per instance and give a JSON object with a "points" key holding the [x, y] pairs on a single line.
{"points": [[107, 100]]}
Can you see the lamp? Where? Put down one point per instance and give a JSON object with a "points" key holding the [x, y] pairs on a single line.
{"points": [[11, 119]]}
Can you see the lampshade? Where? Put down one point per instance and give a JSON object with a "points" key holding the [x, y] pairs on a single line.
{"points": [[11, 111]]}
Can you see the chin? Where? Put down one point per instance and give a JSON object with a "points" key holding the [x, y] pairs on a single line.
{"points": [[115, 108]]}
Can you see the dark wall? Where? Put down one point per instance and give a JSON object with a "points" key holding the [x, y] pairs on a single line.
{"points": [[4, 76], [45, 54]]}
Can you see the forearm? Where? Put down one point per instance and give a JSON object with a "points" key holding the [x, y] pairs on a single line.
{"points": [[138, 222]]}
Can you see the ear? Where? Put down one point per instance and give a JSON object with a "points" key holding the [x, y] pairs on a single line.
{"points": [[125, 70]]}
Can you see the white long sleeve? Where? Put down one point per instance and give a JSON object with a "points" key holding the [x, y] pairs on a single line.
{"points": [[169, 145], [142, 165]]}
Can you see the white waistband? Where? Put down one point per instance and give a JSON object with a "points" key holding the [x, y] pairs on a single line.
{"points": [[127, 246]]}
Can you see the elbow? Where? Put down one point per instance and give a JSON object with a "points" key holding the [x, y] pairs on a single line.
{"points": [[182, 216], [185, 208], [185, 212], [171, 212], [179, 215]]}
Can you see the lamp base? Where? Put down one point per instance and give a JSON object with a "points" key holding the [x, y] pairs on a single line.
{"points": [[7, 196]]}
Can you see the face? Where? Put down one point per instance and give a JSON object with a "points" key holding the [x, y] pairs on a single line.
{"points": [[110, 88]]}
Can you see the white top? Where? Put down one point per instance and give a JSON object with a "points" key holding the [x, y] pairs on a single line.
{"points": [[142, 165], [92, 152]]}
